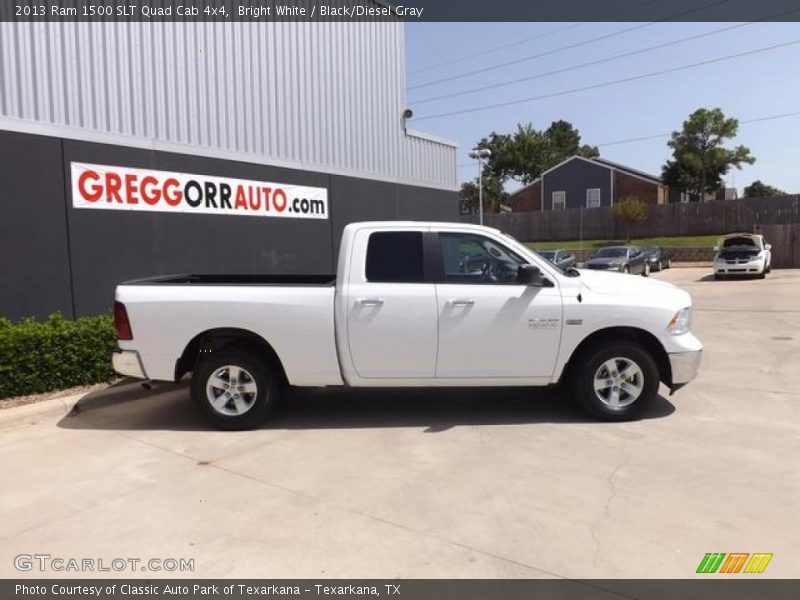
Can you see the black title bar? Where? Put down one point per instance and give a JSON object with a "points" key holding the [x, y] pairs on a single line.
{"points": [[712, 588], [409, 11]]}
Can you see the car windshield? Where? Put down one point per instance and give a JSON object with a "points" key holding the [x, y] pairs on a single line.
{"points": [[611, 253], [548, 254], [650, 250]]}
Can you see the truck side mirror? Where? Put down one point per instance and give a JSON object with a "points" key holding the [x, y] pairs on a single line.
{"points": [[529, 275]]}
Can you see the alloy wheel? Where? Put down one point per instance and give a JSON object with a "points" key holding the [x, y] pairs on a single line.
{"points": [[618, 382], [231, 390]]}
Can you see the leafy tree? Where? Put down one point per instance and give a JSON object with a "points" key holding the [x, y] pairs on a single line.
{"points": [[564, 141], [699, 159], [629, 210], [757, 189], [526, 153], [493, 194]]}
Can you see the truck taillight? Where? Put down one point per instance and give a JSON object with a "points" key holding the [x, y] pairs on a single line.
{"points": [[121, 323]]}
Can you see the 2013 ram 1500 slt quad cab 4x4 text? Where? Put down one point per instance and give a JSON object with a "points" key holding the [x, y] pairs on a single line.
{"points": [[411, 305]]}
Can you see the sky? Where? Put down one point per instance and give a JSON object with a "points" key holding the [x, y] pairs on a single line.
{"points": [[748, 87]]}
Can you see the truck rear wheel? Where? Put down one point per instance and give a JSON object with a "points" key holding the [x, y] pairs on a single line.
{"points": [[236, 388], [615, 381]]}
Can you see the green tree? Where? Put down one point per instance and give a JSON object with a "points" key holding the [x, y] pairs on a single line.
{"points": [[699, 159], [629, 210], [526, 153], [757, 189], [493, 194]]}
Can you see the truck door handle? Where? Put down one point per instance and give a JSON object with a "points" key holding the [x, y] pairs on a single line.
{"points": [[371, 301], [462, 302]]}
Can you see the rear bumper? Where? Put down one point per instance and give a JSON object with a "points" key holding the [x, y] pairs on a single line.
{"points": [[127, 363], [684, 367]]}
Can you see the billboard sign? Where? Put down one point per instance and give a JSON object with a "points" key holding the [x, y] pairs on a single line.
{"points": [[107, 187]]}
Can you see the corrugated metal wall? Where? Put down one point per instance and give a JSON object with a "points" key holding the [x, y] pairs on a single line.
{"points": [[318, 96]]}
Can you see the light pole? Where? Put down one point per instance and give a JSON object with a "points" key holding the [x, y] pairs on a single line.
{"points": [[478, 154]]}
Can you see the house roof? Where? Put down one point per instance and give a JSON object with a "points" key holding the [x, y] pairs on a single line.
{"points": [[627, 169], [597, 161]]}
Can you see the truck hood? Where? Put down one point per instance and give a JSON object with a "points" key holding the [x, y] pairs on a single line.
{"points": [[603, 282]]}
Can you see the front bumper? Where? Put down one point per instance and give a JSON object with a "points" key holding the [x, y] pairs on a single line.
{"points": [[128, 363], [739, 268], [684, 367]]}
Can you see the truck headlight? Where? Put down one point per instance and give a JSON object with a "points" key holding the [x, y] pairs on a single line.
{"points": [[681, 322]]}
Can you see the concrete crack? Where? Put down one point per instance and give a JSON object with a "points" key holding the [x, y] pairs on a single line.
{"points": [[606, 514]]}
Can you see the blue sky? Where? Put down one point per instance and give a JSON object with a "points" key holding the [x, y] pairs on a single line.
{"points": [[748, 87]]}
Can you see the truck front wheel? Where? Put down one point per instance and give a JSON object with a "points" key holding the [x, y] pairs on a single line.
{"points": [[235, 388], [615, 381]]}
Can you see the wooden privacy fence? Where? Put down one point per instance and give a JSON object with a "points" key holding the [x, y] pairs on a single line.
{"points": [[696, 218], [785, 240]]}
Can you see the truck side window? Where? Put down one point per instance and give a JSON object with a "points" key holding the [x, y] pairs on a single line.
{"points": [[471, 258], [395, 257]]}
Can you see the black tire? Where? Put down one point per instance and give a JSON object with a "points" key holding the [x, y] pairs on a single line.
{"points": [[769, 269], [591, 362], [646, 270], [717, 276], [255, 369], [626, 269], [669, 263]]}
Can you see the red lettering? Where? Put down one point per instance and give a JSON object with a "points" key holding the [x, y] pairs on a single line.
{"points": [[131, 190], [174, 196], [149, 190], [280, 205], [255, 199], [92, 193], [241, 201], [113, 185]]}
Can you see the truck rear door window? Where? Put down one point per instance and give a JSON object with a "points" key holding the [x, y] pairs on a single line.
{"points": [[395, 257]]}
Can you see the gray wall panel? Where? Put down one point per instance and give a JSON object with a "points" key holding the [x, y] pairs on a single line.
{"points": [[34, 262], [50, 252]]}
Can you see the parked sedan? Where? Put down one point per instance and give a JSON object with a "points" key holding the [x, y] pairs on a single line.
{"points": [[563, 259], [625, 259], [659, 258], [742, 254]]}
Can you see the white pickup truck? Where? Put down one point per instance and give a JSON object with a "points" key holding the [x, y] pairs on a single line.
{"points": [[412, 305]]}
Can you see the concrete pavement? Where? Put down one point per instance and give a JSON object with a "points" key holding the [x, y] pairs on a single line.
{"points": [[448, 483]]}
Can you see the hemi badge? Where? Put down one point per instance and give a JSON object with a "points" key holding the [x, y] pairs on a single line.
{"points": [[574, 321]]}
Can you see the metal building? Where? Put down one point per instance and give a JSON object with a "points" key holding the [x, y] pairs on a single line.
{"points": [[313, 105]]}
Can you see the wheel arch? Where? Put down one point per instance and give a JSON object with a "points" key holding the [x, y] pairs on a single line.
{"points": [[213, 340], [631, 334]]}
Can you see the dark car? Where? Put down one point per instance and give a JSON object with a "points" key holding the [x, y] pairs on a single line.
{"points": [[658, 257], [624, 259], [563, 259]]}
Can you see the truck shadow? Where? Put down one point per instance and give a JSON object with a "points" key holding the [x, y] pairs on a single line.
{"points": [[129, 406]]}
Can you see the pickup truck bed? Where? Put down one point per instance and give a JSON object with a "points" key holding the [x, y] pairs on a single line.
{"points": [[226, 279]]}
